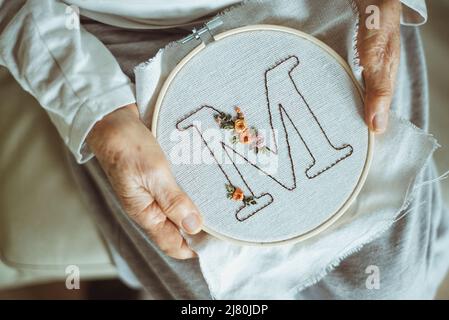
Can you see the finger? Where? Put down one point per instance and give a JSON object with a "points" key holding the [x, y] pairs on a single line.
{"points": [[378, 97], [163, 232], [175, 203], [379, 54]]}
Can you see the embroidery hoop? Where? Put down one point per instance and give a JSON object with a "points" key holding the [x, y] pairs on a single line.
{"points": [[347, 203]]}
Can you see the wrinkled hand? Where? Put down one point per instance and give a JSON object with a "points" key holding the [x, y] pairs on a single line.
{"points": [[379, 51], [141, 178]]}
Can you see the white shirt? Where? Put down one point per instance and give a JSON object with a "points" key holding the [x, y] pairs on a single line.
{"points": [[72, 74]]}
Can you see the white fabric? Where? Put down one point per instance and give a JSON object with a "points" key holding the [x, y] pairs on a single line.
{"points": [[302, 185], [245, 272], [148, 14], [233, 271], [72, 75]]}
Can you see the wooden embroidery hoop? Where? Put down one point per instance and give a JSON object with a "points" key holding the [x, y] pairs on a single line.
{"points": [[347, 203]]}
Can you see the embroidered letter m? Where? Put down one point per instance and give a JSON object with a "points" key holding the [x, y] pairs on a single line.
{"points": [[292, 119]]}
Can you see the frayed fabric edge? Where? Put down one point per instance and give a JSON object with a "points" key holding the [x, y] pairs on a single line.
{"points": [[143, 65], [358, 68], [409, 197], [405, 208]]}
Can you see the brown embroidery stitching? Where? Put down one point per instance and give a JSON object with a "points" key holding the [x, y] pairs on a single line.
{"points": [[296, 129], [281, 112], [255, 211], [222, 169], [242, 133]]}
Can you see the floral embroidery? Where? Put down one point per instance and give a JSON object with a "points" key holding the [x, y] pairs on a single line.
{"points": [[245, 137], [235, 193], [240, 125], [238, 194], [242, 133]]}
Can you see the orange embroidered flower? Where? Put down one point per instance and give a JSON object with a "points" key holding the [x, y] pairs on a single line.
{"points": [[238, 195], [240, 125], [245, 137]]}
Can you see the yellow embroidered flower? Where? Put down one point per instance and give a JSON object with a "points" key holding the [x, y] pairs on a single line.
{"points": [[238, 195], [240, 125]]}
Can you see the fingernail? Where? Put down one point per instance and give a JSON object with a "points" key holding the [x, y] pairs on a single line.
{"points": [[380, 121], [191, 223]]}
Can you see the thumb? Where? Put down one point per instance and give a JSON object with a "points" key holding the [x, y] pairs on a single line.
{"points": [[176, 204], [379, 92], [379, 50]]}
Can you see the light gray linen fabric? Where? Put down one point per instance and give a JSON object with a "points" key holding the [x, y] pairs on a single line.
{"points": [[291, 184], [411, 255]]}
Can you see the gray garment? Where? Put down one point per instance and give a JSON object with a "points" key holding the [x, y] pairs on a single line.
{"points": [[414, 253], [161, 276], [418, 242]]}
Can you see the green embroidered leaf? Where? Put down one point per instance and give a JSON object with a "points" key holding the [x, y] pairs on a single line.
{"points": [[227, 125], [230, 188], [249, 201], [254, 131], [263, 149]]}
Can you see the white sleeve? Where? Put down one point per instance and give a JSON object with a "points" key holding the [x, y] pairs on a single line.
{"points": [[414, 12], [71, 73]]}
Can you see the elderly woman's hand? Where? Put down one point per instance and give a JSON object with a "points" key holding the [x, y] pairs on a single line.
{"points": [[140, 176], [379, 51]]}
